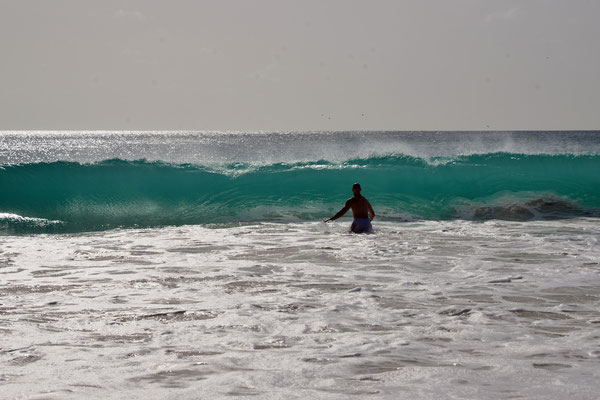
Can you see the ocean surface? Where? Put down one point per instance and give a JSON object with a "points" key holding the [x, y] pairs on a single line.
{"points": [[195, 265]]}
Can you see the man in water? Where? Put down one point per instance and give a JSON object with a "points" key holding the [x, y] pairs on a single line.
{"points": [[361, 211]]}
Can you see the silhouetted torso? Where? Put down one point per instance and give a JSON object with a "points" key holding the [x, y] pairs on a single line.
{"points": [[359, 205]]}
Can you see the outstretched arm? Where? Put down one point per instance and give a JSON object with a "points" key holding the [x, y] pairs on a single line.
{"points": [[340, 213], [371, 212]]}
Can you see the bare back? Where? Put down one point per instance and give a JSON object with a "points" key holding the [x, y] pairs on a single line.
{"points": [[361, 208]]}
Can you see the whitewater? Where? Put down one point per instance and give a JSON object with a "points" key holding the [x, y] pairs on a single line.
{"points": [[196, 265]]}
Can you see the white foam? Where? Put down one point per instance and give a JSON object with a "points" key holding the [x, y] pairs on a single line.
{"points": [[20, 218], [304, 310]]}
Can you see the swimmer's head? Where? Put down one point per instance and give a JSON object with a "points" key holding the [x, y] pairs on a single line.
{"points": [[356, 188]]}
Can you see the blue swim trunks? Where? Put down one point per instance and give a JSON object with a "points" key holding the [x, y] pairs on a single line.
{"points": [[361, 225]]}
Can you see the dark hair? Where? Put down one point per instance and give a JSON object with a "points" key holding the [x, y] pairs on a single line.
{"points": [[356, 186]]}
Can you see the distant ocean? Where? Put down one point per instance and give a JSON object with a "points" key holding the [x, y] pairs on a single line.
{"points": [[196, 265]]}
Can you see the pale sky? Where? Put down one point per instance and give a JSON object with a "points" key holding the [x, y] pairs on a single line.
{"points": [[299, 65]]}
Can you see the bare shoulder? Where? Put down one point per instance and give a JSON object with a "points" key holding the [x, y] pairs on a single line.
{"points": [[364, 200]]}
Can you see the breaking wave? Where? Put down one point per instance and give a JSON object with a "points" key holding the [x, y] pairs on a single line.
{"points": [[71, 197]]}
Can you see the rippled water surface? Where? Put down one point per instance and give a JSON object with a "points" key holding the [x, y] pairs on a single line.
{"points": [[436, 309]]}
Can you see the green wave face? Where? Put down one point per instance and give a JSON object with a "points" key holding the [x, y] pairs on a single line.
{"points": [[71, 197]]}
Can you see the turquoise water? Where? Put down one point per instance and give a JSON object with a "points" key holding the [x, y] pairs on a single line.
{"points": [[64, 196]]}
